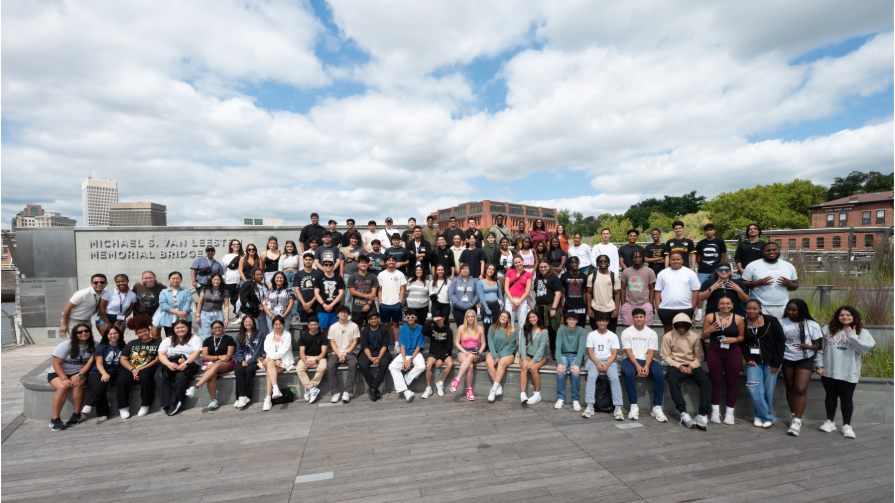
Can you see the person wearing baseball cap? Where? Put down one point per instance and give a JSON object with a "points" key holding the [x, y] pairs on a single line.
{"points": [[329, 289], [203, 267]]}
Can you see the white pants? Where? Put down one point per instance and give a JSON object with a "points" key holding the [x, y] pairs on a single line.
{"points": [[401, 380], [518, 315]]}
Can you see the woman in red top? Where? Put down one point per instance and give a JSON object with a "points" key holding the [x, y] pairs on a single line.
{"points": [[539, 233]]}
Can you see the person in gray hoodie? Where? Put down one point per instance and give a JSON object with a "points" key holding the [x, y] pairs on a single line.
{"points": [[839, 364]]}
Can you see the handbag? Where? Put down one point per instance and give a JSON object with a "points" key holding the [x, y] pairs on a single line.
{"points": [[434, 297]]}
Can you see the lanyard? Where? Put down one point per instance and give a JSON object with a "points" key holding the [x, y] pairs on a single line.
{"points": [[217, 344]]}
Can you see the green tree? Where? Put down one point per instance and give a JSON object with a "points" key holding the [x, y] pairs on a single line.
{"points": [[671, 206], [775, 206], [618, 226], [856, 181]]}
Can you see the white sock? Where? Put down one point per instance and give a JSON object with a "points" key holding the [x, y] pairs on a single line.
{"points": [[494, 387], [716, 409]]}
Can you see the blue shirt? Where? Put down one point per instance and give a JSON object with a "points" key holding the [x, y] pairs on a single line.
{"points": [[110, 355], [410, 338]]}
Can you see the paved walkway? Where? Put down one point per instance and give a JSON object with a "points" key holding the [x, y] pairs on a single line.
{"points": [[14, 363], [441, 449]]}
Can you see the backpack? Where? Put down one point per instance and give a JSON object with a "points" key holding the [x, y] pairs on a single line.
{"points": [[603, 396], [288, 396]]}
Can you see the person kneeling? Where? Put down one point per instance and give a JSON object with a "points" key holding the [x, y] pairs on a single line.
{"points": [[602, 350], [410, 358], [682, 352], [640, 344]]}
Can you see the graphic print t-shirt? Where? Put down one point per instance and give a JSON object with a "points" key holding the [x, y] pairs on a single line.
{"points": [[140, 353]]}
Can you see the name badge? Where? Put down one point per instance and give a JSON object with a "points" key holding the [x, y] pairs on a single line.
{"points": [[120, 317], [725, 345], [465, 298], [754, 351]]}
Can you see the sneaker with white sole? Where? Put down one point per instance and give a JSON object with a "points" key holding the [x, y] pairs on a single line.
{"points": [[337, 397], [315, 392], [716, 417], [143, 411], [523, 397], [191, 392], [658, 413], [728, 417], [268, 404], [500, 390], [439, 387], [686, 420], [307, 394], [101, 419], [492, 395], [757, 422], [426, 393], [795, 427], [534, 398], [828, 426], [618, 414], [701, 422], [576, 406], [408, 395], [124, 413], [559, 404], [767, 424], [634, 412], [346, 397], [588, 412], [86, 409], [239, 403], [213, 404], [56, 424], [275, 392], [847, 431]]}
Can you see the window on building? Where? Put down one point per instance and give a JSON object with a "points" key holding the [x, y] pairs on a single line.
{"points": [[444, 215], [880, 216], [475, 209], [819, 243], [532, 211], [246, 221], [514, 209], [259, 221], [868, 240], [865, 218], [806, 243], [779, 243], [831, 220], [791, 244], [837, 242], [843, 218], [853, 240]]}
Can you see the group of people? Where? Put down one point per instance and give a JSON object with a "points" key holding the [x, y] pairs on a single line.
{"points": [[515, 298]]}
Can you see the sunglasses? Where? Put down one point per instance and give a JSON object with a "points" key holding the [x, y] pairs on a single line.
{"points": [[723, 269], [99, 282], [82, 331], [251, 249]]}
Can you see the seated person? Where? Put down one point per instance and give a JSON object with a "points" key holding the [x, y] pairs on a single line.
{"points": [[342, 336], [72, 360], [278, 359], [374, 355], [138, 363], [217, 359], [640, 343], [682, 353], [104, 372], [312, 350], [501, 352], [249, 355], [177, 355], [441, 346], [602, 350], [570, 344], [410, 357]]}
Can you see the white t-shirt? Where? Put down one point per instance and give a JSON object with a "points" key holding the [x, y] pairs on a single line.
{"points": [[85, 302], [231, 276], [640, 341], [390, 284], [194, 344], [793, 339], [583, 254], [677, 287], [608, 249], [117, 302], [773, 294], [603, 344], [380, 234]]}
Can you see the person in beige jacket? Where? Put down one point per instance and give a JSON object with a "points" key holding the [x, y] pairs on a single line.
{"points": [[682, 352]]}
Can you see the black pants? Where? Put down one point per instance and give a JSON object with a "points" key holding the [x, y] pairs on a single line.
{"points": [[543, 311], [613, 322], [495, 308], [244, 378], [374, 376], [421, 313], [675, 380], [172, 384], [233, 291], [843, 391], [147, 386], [438, 308], [96, 392]]}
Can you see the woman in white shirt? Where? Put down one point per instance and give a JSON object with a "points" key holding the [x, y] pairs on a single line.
{"points": [[116, 304], [278, 348], [231, 261], [177, 355], [803, 337]]}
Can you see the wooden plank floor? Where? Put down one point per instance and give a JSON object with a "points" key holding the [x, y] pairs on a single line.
{"points": [[437, 450]]}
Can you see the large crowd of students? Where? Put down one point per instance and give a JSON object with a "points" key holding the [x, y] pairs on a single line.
{"points": [[382, 301]]}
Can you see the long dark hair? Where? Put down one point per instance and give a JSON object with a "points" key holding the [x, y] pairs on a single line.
{"points": [[175, 340], [417, 278], [105, 338], [528, 328], [246, 335], [273, 281], [240, 252], [294, 249], [74, 351], [804, 315], [835, 326]]}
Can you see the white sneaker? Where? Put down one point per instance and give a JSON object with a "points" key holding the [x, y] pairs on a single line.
{"points": [[795, 427], [86, 409], [524, 398], [337, 397], [268, 403], [767, 424], [847, 431], [492, 395], [346, 397], [618, 414], [426, 393], [559, 404], [500, 390], [439, 387], [535, 398], [191, 392], [728, 417], [658, 413], [275, 392], [315, 392], [576, 406], [701, 422], [829, 426], [307, 394], [408, 395], [758, 423], [124, 413], [143, 411], [588, 412], [101, 419], [634, 412], [686, 420], [213, 404], [716, 417], [239, 403]]}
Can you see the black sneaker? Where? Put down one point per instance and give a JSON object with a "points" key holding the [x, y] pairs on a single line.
{"points": [[174, 409], [56, 424], [73, 420]]}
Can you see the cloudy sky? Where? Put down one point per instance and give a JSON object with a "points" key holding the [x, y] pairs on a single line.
{"points": [[223, 109]]}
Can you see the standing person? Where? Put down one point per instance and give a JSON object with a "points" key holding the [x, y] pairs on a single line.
{"points": [[211, 305], [839, 365], [203, 267], [312, 349], [410, 357], [724, 330], [138, 363], [751, 249], [457, 249], [519, 235], [289, 262], [683, 355], [770, 280], [351, 254], [249, 355], [374, 355], [605, 247], [470, 344], [82, 305], [351, 229], [627, 250], [116, 304], [765, 343], [640, 344], [278, 359], [529, 259], [147, 292], [680, 244], [541, 251], [420, 250], [463, 294], [803, 338], [548, 295], [638, 284], [556, 256], [329, 249], [417, 289], [538, 233], [373, 233], [574, 285], [442, 256], [451, 231], [399, 253], [174, 304], [472, 230], [248, 263], [270, 259], [329, 289], [441, 346], [582, 252], [720, 283], [104, 372], [337, 236], [280, 300], [532, 356], [603, 294], [502, 345], [503, 258], [390, 230], [490, 249], [303, 284], [570, 349], [363, 287], [251, 298], [677, 289], [72, 360], [343, 337], [711, 253], [392, 287], [438, 293], [602, 350], [490, 295], [499, 229], [517, 286], [563, 237], [231, 261], [654, 252], [310, 231], [217, 359], [177, 355], [430, 232]]}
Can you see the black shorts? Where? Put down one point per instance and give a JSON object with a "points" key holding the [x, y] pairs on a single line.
{"points": [[54, 375], [438, 357], [804, 364], [667, 315]]}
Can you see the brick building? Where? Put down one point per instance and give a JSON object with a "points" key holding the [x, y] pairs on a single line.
{"points": [[864, 219], [485, 211]]}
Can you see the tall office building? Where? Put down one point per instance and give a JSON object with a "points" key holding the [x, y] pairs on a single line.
{"points": [[137, 214], [96, 195]]}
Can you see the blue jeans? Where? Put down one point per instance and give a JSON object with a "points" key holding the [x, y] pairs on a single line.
{"points": [[567, 361], [703, 276], [290, 278], [761, 383], [205, 319], [629, 372], [590, 391]]}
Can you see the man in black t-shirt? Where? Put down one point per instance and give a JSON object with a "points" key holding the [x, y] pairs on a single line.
{"points": [[377, 258], [682, 245], [374, 356], [399, 253], [312, 347], [303, 283], [441, 347], [472, 230], [363, 286], [750, 249], [312, 230], [442, 255], [574, 284], [474, 257], [329, 289], [452, 231], [626, 251], [654, 253], [710, 253], [548, 294]]}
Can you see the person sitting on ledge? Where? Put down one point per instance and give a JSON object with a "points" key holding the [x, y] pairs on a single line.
{"points": [[374, 355], [72, 359], [410, 357], [278, 348], [104, 372], [682, 352], [502, 342], [312, 350], [248, 357], [640, 343], [139, 363], [177, 354], [342, 336], [441, 346], [217, 359]]}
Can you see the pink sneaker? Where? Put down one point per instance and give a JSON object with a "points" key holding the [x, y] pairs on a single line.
{"points": [[454, 384], [469, 394]]}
